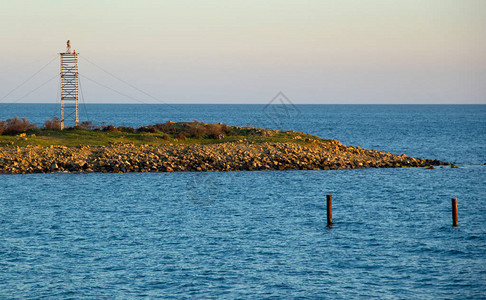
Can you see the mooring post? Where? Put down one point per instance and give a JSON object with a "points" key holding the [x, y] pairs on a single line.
{"points": [[329, 210], [455, 222]]}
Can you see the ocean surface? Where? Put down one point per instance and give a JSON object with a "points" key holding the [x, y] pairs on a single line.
{"points": [[257, 234]]}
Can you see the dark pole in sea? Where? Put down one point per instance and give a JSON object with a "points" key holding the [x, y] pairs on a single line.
{"points": [[455, 221], [329, 210]]}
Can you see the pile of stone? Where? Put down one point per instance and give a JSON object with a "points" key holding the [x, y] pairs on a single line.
{"points": [[216, 157]]}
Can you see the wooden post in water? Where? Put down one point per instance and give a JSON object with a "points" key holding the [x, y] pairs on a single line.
{"points": [[329, 210], [455, 221]]}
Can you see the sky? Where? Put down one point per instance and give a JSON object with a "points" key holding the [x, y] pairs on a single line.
{"points": [[226, 51]]}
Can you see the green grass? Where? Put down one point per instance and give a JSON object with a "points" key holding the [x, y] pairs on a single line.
{"points": [[78, 137]]}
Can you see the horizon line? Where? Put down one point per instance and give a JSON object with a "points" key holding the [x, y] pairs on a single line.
{"points": [[212, 103], [246, 103]]}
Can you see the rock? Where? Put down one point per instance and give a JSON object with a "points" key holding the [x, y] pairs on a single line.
{"points": [[215, 157]]}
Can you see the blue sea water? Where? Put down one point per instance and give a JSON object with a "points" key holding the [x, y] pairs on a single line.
{"points": [[257, 234]]}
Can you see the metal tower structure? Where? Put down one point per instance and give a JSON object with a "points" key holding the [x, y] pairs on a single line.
{"points": [[69, 86]]}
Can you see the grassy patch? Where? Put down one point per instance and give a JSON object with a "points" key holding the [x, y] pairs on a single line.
{"points": [[160, 134]]}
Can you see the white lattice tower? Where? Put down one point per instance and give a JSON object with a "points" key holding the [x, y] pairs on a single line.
{"points": [[69, 86]]}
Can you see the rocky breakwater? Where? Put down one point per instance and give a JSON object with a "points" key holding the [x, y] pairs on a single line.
{"points": [[216, 157]]}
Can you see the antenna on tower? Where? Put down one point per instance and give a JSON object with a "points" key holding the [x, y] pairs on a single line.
{"points": [[69, 86]]}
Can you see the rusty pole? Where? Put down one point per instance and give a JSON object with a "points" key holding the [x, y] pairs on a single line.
{"points": [[455, 221], [329, 210]]}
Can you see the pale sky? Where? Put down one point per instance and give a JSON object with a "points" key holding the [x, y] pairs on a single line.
{"points": [[245, 51]]}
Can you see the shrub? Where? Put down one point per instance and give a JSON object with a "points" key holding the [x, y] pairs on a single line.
{"points": [[196, 129], [227, 130], [181, 136], [109, 128], [2, 127], [126, 129], [150, 129], [88, 125], [54, 124], [16, 125], [167, 127], [214, 131], [166, 137]]}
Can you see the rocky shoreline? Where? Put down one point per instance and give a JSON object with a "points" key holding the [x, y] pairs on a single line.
{"points": [[121, 158]]}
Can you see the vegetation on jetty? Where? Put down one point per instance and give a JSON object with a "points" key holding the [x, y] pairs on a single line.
{"points": [[184, 146], [19, 132]]}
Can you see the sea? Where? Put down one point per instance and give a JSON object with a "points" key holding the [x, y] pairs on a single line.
{"points": [[257, 234]]}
